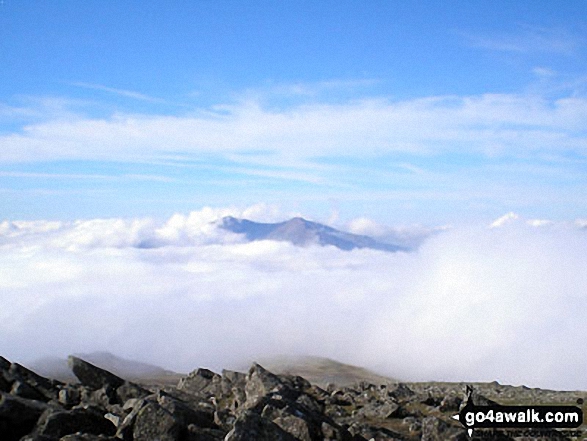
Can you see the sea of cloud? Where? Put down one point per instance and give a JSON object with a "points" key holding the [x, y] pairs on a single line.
{"points": [[507, 303]]}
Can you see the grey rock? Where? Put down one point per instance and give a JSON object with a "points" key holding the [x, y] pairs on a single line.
{"points": [[260, 382], [185, 414], [200, 381], [5, 385], [93, 376], [18, 416], [25, 390], [85, 420], [153, 422], [402, 392], [125, 428], [129, 390], [30, 384], [296, 426], [450, 403], [251, 426], [435, 429], [4, 364], [69, 396]]}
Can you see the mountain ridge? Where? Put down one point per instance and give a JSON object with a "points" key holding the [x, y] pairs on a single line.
{"points": [[302, 232]]}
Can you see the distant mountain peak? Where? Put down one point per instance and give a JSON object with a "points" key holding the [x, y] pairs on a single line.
{"points": [[302, 232]]}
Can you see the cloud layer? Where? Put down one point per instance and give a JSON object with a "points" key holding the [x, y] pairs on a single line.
{"points": [[488, 124], [503, 304]]}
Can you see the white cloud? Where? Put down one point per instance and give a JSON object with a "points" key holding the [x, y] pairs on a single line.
{"points": [[470, 304], [486, 124], [504, 220], [529, 39]]}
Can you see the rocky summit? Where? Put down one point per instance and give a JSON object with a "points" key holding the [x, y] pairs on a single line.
{"points": [[236, 406]]}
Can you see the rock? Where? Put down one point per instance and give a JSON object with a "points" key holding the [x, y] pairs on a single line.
{"points": [[4, 364], [25, 390], [402, 392], [125, 429], [69, 396], [185, 414], [296, 426], [435, 429], [198, 381], [4, 383], [259, 382], [450, 403], [30, 384], [153, 422], [250, 426], [88, 420], [18, 416], [93, 376], [129, 390]]}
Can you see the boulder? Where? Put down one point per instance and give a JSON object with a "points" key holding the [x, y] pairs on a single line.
{"points": [[90, 420], [93, 376], [153, 422], [260, 382], [186, 414], [18, 416], [251, 426], [29, 384], [4, 364], [199, 381], [435, 429]]}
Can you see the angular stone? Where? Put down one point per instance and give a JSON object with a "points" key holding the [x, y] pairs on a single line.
{"points": [[435, 429], [185, 414], [153, 422], [25, 390], [130, 390], [5, 385], [30, 381], [198, 381], [402, 392], [18, 416], [260, 382], [93, 376], [86, 420], [125, 429], [294, 425], [450, 403], [4, 364], [250, 426], [69, 396], [379, 411]]}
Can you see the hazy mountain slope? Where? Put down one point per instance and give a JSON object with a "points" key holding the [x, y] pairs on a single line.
{"points": [[54, 367], [302, 232]]}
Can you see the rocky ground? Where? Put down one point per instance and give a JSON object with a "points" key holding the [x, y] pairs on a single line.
{"points": [[257, 405]]}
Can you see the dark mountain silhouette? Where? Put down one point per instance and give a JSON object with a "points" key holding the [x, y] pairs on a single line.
{"points": [[302, 232]]}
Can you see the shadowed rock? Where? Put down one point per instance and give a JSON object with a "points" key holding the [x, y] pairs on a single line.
{"points": [[18, 416], [250, 426], [93, 376], [86, 420], [154, 422]]}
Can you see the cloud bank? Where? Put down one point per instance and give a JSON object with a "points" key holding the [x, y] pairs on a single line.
{"points": [[485, 304], [486, 124]]}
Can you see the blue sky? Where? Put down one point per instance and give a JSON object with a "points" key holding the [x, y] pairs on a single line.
{"points": [[405, 112]]}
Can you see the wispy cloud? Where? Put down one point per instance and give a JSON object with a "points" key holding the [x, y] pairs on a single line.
{"points": [[84, 176], [484, 124], [121, 92], [528, 39]]}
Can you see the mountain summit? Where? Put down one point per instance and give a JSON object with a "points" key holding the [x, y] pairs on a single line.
{"points": [[302, 232]]}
